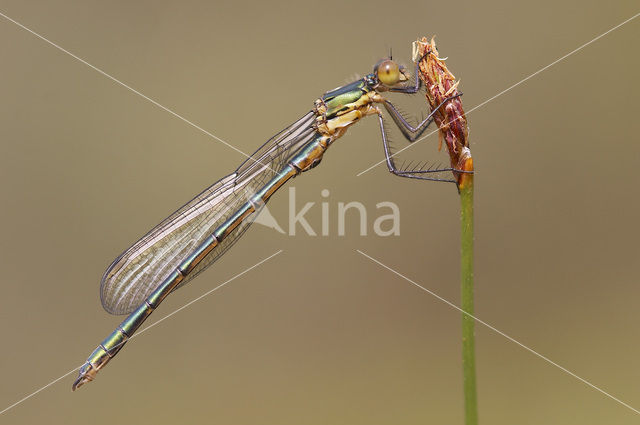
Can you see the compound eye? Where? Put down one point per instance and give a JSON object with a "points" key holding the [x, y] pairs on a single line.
{"points": [[388, 72]]}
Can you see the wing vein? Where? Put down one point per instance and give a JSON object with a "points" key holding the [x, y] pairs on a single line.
{"points": [[136, 272]]}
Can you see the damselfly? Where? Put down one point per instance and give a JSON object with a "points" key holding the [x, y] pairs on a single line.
{"points": [[196, 235]]}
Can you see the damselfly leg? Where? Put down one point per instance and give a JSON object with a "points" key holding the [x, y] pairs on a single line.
{"points": [[411, 134]]}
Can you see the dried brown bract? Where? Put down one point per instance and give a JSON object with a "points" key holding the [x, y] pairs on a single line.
{"points": [[450, 118]]}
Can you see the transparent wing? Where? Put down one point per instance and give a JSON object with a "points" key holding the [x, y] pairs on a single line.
{"points": [[139, 270]]}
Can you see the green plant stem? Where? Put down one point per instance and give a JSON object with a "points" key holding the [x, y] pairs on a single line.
{"points": [[468, 338]]}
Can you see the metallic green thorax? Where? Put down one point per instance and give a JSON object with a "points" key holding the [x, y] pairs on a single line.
{"points": [[337, 100]]}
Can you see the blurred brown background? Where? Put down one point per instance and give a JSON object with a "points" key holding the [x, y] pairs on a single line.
{"points": [[320, 334]]}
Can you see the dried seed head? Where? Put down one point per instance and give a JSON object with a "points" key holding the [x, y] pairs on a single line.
{"points": [[450, 118]]}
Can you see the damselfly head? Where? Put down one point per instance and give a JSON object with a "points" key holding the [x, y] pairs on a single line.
{"points": [[389, 72]]}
